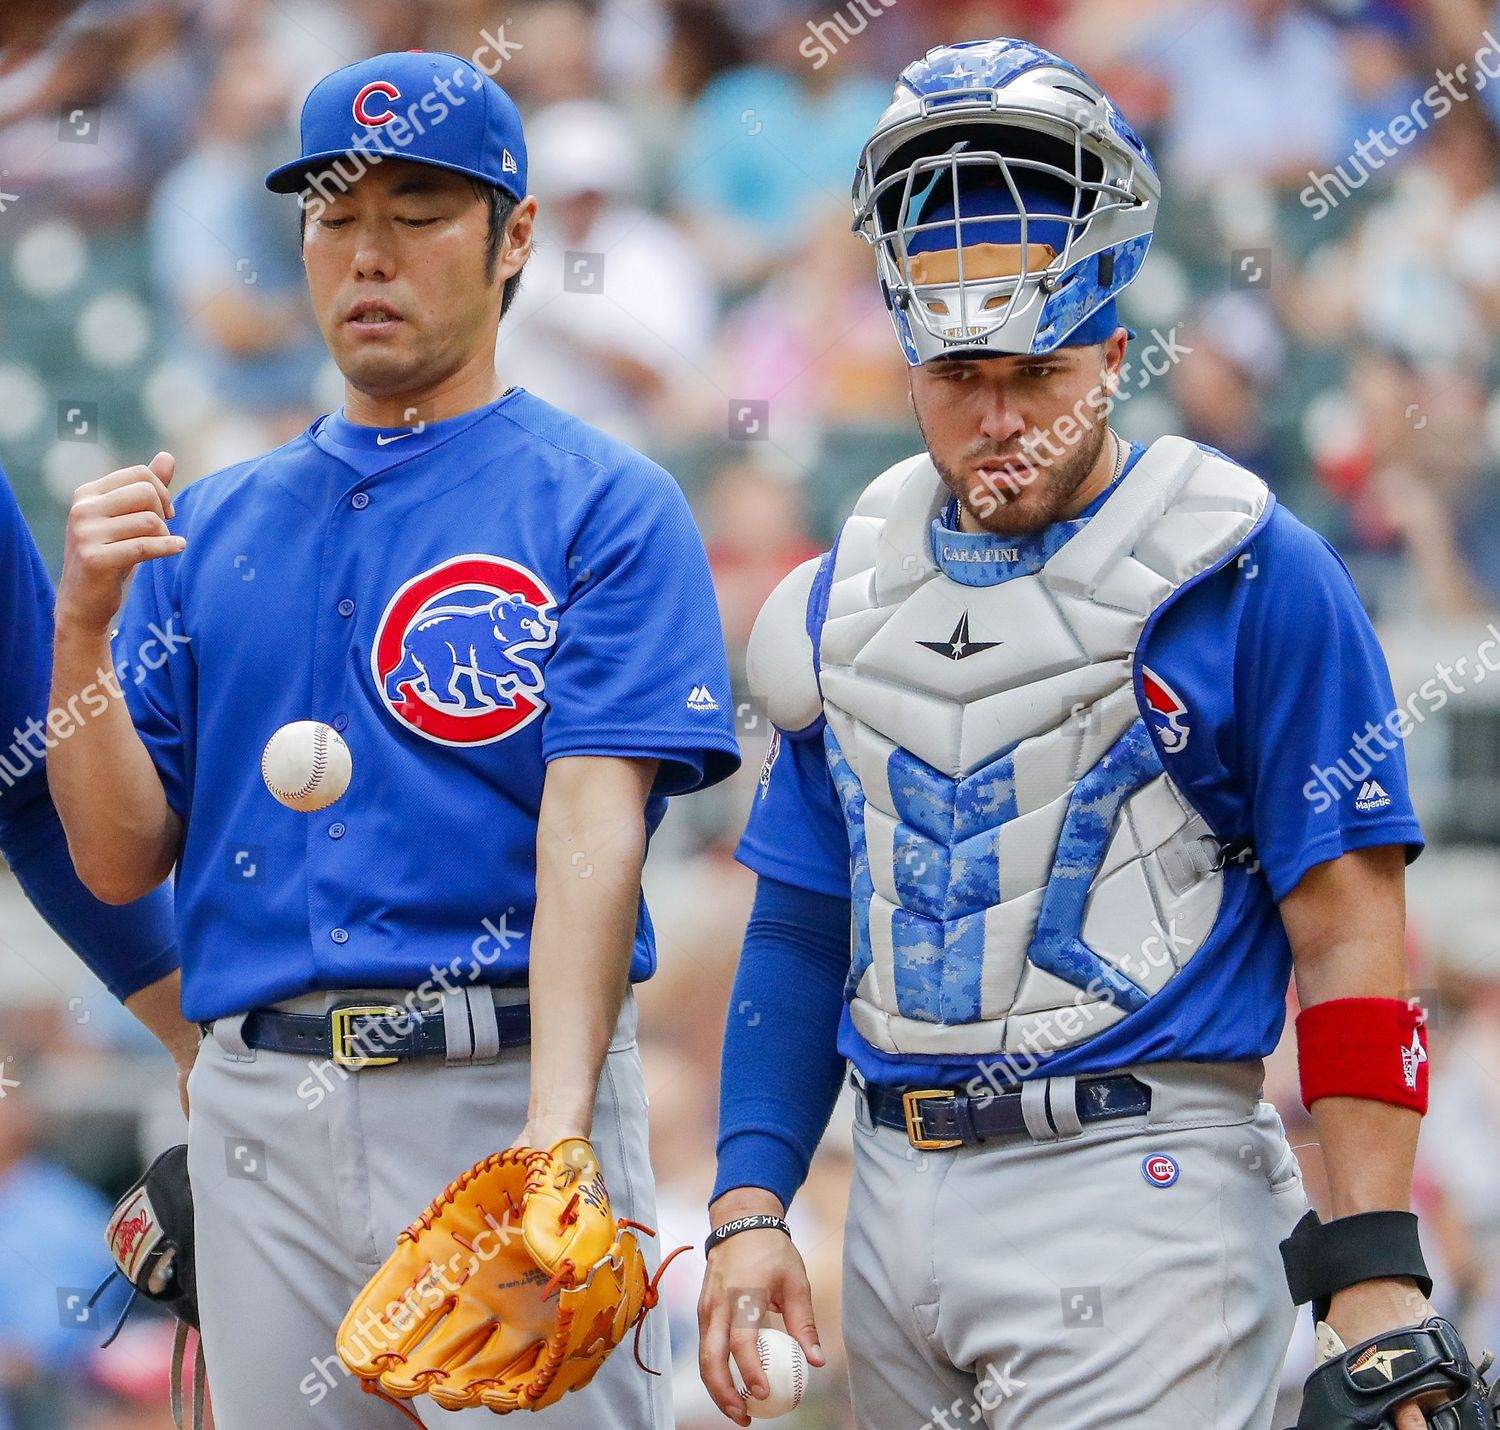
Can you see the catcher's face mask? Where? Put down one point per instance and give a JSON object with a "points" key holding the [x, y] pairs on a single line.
{"points": [[1006, 200]]}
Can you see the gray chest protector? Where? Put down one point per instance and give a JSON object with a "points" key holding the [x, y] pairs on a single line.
{"points": [[1024, 871]]}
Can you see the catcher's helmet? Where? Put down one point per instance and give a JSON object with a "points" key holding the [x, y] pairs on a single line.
{"points": [[1006, 199]]}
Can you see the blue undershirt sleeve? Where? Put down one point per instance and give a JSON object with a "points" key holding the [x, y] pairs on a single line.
{"points": [[781, 1066], [127, 947]]}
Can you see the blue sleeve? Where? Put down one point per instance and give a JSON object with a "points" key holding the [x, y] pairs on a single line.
{"points": [[796, 831], [154, 663], [639, 667], [1319, 730], [127, 947], [25, 634], [782, 1068]]}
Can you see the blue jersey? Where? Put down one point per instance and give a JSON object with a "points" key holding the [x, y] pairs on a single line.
{"points": [[128, 946], [1274, 715], [464, 602]]}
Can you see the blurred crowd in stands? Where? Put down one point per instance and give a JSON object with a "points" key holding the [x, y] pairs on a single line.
{"points": [[1324, 287]]}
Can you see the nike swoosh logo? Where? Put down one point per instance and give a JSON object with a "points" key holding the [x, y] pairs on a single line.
{"points": [[385, 441]]}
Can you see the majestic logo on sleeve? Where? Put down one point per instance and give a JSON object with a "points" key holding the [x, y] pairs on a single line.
{"points": [[1168, 711], [449, 655], [1371, 796]]}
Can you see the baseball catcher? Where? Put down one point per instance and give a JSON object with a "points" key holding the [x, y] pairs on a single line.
{"points": [[1054, 806]]}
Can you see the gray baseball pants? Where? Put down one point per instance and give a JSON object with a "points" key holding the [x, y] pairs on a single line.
{"points": [[1050, 1284], [303, 1174]]}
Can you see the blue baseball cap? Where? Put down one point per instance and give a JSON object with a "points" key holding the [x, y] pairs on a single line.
{"points": [[425, 106]]}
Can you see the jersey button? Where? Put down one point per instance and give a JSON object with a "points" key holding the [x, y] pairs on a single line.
{"points": [[340, 935], [340, 722], [336, 831], [346, 607], [360, 500]]}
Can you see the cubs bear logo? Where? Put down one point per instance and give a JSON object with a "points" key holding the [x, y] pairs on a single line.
{"points": [[1167, 709], [448, 656]]}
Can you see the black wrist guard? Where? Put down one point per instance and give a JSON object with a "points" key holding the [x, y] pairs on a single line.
{"points": [[1324, 1258]]}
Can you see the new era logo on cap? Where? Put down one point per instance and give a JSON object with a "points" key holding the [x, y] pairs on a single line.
{"points": [[1371, 796]]}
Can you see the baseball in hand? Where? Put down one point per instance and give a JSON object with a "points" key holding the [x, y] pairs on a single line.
{"points": [[785, 1370], [306, 765]]}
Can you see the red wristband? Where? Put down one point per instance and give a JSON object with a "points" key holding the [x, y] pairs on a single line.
{"points": [[1364, 1047]]}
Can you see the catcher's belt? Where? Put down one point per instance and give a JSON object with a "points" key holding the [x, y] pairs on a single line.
{"points": [[936, 1118], [509, 1291]]}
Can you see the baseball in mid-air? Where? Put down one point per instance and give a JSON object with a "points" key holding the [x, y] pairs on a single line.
{"points": [[785, 1369], [306, 765]]}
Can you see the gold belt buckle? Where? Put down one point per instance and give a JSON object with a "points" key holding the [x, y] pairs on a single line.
{"points": [[911, 1104], [345, 1042]]}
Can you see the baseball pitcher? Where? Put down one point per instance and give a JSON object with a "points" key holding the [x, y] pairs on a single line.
{"points": [[417, 1147], [1040, 837]]}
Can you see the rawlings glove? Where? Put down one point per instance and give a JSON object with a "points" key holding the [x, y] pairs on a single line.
{"points": [[1362, 1388], [508, 1291], [150, 1236]]}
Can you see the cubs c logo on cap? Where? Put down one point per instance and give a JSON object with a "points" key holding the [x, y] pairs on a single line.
{"points": [[368, 110], [448, 654], [1159, 1169]]}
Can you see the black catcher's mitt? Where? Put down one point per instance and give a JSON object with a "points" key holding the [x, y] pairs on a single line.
{"points": [[150, 1235], [1361, 1388]]}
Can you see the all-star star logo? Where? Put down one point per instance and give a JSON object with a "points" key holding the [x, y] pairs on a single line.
{"points": [[958, 646], [1382, 1362], [1412, 1058]]}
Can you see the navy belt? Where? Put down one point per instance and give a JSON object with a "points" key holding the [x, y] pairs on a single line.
{"points": [[368, 1035], [938, 1118]]}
